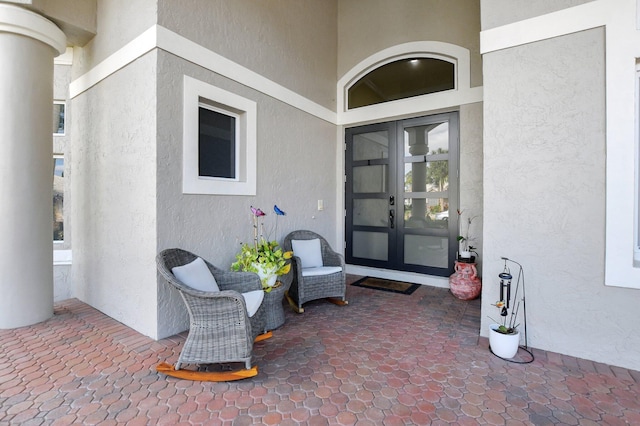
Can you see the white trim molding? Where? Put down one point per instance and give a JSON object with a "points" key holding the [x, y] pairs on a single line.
{"points": [[195, 92], [618, 17], [62, 257], [17, 20], [158, 37]]}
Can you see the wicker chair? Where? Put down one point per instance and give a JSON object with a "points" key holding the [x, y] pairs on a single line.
{"points": [[308, 286], [220, 329]]}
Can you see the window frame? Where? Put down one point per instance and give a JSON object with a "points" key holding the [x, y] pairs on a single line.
{"points": [[197, 93], [54, 157], [64, 129], [236, 146]]}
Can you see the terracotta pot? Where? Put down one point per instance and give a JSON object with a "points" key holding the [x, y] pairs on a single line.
{"points": [[503, 345], [464, 282]]}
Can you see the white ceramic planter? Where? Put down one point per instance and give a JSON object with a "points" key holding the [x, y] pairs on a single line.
{"points": [[267, 275], [503, 345], [465, 254]]}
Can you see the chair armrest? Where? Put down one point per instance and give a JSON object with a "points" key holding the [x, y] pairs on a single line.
{"points": [[296, 268], [332, 258], [241, 282]]}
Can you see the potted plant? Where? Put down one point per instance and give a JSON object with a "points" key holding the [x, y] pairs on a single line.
{"points": [[465, 249], [265, 258], [504, 337]]}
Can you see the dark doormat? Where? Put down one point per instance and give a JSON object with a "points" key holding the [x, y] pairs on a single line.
{"points": [[386, 285]]}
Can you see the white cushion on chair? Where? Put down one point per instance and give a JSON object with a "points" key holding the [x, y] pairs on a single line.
{"points": [[253, 300], [322, 270], [196, 275], [308, 251]]}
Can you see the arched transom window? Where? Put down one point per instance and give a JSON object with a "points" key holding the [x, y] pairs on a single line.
{"points": [[401, 79]]}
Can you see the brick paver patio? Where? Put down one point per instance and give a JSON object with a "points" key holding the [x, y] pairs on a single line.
{"points": [[385, 359]]}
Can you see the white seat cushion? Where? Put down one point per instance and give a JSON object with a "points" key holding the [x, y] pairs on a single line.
{"points": [[253, 300], [196, 275], [322, 270], [308, 251]]}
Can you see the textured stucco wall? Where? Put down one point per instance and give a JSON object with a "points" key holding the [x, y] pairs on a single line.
{"points": [[471, 173], [290, 42], [501, 12], [118, 22], [114, 174], [544, 196], [367, 28], [62, 282], [296, 167]]}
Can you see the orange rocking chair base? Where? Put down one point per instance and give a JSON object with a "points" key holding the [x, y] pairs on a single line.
{"points": [[212, 376], [206, 376]]}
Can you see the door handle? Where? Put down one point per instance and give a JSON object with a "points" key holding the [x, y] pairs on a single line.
{"points": [[391, 218]]}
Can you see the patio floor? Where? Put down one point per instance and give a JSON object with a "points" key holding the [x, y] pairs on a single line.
{"points": [[385, 359]]}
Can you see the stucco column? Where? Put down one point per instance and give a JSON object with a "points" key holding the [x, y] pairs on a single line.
{"points": [[28, 44]]}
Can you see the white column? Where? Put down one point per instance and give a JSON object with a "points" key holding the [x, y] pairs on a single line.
{"points": [[28, 44]]}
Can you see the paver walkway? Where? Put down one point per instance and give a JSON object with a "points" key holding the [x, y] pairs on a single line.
{"points": [[385, 359]]}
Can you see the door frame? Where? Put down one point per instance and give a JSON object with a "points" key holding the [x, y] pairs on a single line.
{"points": [[396, 259]]}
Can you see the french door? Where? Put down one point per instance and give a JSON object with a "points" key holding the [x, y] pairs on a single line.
{"points": [[401, 194]]}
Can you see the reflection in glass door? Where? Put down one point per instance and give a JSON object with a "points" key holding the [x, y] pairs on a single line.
{"points": [[399, 179]]}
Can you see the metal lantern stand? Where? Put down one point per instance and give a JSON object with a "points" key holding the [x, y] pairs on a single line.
{"points": [[505, 290]]}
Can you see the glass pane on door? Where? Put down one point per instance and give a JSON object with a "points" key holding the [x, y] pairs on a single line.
{"points": [[370, 212], [432, 176], [429, 139], [371, 245], [370, 146], [370, 179], [432, 213], [426, 250]]}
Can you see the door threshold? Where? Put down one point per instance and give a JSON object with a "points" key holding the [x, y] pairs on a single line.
{"points": [[409, 277]]}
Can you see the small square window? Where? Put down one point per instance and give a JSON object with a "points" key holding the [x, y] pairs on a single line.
{"points": [[217, 144], [219, 141]]}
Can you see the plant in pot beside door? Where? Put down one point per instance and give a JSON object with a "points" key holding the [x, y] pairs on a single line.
{"points": [[504, 337], [265, 258], [465, 249]]}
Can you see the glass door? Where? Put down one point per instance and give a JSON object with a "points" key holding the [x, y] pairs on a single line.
{"points": [[370, 194], [401, 180]]}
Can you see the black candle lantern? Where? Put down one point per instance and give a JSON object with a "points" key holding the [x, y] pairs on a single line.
{"points": [[504, 304], [505, 285]]}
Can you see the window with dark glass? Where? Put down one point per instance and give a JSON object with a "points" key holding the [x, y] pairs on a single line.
{"points": [[401, 79], [216, 144]]}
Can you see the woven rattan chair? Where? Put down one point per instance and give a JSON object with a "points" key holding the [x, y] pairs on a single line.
{"points": [[309, 284], [220, 329]]}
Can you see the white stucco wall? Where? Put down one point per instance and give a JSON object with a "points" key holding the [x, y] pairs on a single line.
{"points": [[501, 12], [471, 174], [114, 188], [118, 22], [290, 42], [365, 30], [544, 206]]}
